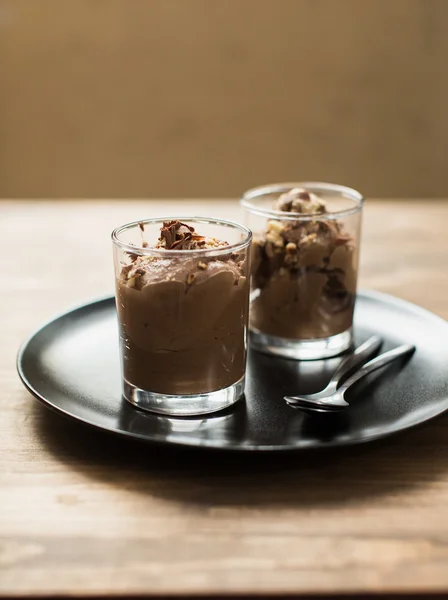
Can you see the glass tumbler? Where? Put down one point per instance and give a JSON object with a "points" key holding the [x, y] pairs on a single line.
{"points": [[182, 315], [304, 267]]}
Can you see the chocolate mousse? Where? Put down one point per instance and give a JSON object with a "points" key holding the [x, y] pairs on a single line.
{"points": [[183, 315], [304, 272]]}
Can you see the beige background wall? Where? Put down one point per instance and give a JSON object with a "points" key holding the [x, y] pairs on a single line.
{"points": [[207, 97]]}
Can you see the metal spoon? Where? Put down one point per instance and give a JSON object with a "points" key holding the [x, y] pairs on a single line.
{"points": [[360, 356], [336, 401]]}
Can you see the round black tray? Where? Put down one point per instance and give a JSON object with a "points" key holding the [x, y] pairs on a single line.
{"points": [[72, 365]]}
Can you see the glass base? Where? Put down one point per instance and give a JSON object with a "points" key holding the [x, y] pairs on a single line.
{"points": [[301, 349], [183, 406]]}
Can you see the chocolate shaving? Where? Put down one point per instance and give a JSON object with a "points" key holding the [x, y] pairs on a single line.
{"points": [[168, 233], [181, 241], [175, 239], [141, 225]]}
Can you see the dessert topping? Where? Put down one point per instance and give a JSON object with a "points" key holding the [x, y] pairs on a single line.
{"points": [[298, 200], [175, 235]]}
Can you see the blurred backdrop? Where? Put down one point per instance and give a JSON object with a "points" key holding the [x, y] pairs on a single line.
{"points": [[137, 98]]}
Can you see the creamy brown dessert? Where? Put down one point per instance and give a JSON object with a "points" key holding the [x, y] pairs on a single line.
{"points": [[303, 272], [183, 317]]}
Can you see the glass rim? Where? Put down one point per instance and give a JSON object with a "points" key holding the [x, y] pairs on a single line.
{"points": [[149, 251], [312, 186]]}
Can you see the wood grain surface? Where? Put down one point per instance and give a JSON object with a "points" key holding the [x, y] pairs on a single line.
{"points": [[84, 513]]}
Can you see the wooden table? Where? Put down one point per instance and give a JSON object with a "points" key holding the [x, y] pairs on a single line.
{"points": [[84, 513]]}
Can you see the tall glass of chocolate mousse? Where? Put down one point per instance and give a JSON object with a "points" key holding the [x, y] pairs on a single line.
{"points": [[304, 267], [182, 293]]}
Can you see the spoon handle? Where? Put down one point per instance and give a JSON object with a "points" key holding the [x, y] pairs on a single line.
{"points": [[376, 363], [358, 357]]}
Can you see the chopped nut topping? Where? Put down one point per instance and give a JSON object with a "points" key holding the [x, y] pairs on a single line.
{"points": [[202, 266], [295, 245], [307, 240], [272, 237], [275, 226], [190, 278], [299, 200], [135, 273], [198, 238], [125, 270], [214, 243]]}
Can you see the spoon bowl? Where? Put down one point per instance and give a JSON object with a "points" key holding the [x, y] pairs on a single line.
{"points": [[335, 401]]}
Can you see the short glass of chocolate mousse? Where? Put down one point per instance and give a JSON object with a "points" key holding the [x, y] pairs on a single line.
{"points": [[304, 267], [182, 293]]}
